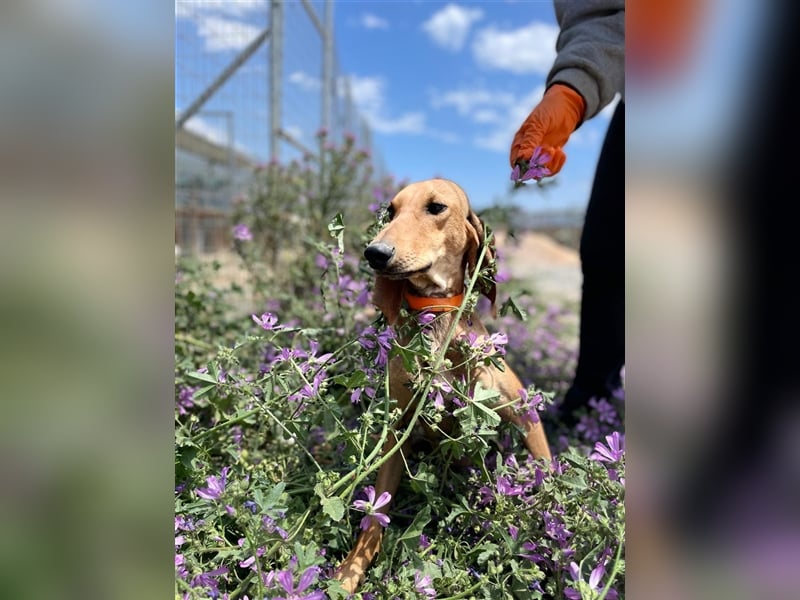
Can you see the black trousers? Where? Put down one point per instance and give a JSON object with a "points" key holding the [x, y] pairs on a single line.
{"points": [[601, 353]]}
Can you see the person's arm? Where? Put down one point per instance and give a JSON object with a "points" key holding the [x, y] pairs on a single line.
{"points": [[589, 70], [591, 50]]}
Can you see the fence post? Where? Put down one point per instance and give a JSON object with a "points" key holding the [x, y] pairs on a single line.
{"points": [[327, 65], [275, 77]]}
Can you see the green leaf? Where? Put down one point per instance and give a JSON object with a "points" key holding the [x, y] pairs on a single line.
{"points": [[490, 550], [336, 229], [482, 395], [203, 391], [333, 507], [515, 308], [414, 530], [353, 380], [274, 495], [202, 377]]}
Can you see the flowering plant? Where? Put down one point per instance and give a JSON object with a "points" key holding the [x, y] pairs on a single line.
{"points": [[282, 409]]}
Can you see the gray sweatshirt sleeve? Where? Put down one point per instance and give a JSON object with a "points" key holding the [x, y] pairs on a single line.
{"points": [[591, 50]]}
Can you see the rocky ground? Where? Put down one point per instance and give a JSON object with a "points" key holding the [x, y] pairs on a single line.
{"points": [[553, 270]]}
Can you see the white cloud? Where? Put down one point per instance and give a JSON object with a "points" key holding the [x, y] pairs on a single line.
{"points": [[295, 131], [374, 22], [486, 115], [407, 123], [220, 34], [366, 92], [305, 81], [213, 133], [369, 96], [499, 114], [530, 49], [468, 101], [450, 26], [499, 139], [187, 9]]}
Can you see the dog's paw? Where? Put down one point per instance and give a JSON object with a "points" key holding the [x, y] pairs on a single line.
{"points": [[350, 576]]}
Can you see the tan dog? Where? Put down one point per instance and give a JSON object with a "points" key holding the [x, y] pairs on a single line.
{"points": [[421, 257]]}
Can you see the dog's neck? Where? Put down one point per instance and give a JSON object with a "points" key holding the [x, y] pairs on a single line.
{"points": [[425, 285]]}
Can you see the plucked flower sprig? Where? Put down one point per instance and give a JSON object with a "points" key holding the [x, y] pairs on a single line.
{"points": [[534, 168]]}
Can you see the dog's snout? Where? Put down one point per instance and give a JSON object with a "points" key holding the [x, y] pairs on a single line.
{"points": [[378, 255]]}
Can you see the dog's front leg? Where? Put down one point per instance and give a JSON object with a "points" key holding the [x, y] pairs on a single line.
{"points": [[352, 569], [535, 438], [508, 384]]}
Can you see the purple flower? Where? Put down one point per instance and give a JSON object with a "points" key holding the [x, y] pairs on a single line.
{"points": [[605, 411], [267, 320], [185, 402], [321, 261], [496, 344], [355, 396], [423, 585], [530, 553], [527, 405], [594, 582], [424, 541], [555, 528], [371, 339], [439, 388], [486, 495], [271, 527], [216, 486], [534, 168], [242, 232], [611, 453], [209, 580], [286, 581], [370, 506], [250, 562], [505, 487]]}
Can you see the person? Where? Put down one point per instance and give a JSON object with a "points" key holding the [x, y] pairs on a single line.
{"points": [[586, 76]]}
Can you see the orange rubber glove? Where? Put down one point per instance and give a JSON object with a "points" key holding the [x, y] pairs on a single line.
{"points": [[549, 125]]}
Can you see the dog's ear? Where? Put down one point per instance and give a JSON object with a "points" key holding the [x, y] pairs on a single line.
{"points": [[387, 295], [476, 236]]}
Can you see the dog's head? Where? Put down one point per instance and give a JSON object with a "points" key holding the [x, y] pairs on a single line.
{"points": [[432, 238]]}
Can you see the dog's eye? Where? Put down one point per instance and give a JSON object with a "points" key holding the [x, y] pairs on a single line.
{"points": [[435, 208], [390, 212]]}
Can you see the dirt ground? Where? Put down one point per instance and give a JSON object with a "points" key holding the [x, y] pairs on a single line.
{"points": [[553, 270]]}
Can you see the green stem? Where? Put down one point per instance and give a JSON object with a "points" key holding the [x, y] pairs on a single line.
{"points": [[420, 395], [613, 573], [185, 337], [225, 424], [466, 592], [294, 437]]}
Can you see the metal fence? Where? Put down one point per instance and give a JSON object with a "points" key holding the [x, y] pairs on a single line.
{"points": [[255, 80]]}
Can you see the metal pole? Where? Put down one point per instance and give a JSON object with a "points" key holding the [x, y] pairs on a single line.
{"points": [[275, 77], [231, 161], [327, 65], [221, 79]]}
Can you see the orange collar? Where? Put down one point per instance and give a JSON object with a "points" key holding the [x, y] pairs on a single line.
{"points": [[434, 304]]}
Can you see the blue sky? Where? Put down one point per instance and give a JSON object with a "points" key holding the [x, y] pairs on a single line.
{"points": [[455, 81], [443, 85]]}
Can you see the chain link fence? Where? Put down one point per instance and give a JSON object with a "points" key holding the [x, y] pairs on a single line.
{"points": [[255, 80]]}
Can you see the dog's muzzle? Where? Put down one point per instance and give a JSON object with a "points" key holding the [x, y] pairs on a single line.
{"points": [[378, 255]]}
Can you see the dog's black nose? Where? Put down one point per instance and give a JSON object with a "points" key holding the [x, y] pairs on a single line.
{"points": [[378, 255]]}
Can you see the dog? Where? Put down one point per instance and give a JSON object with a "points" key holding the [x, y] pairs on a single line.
{"points": [[423, 257]]}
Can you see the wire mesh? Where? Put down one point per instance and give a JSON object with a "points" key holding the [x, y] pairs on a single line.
{"points": [[232, 131]]}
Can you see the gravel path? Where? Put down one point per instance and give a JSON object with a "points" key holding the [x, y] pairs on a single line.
{"points": [[553, 269]]}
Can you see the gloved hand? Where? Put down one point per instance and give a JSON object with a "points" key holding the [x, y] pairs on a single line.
{"points": [[549, 125]]}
